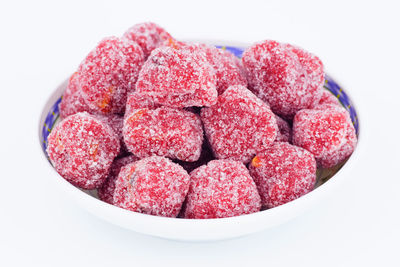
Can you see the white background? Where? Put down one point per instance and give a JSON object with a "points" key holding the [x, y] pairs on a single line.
{"points": [[43, 42]]}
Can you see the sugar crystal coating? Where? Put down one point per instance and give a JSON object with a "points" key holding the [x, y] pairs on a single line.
{"points": [[338, 156], [81, 149], [138, 101], [220, 189], [239, 125], [72, 101], [344, 152], [177, 78], [325, 131], [164, 131], [109, 73], [148, 35], [106, 190], [231, 74], [285, 76], [225, 65], [206, 155], [284, 130], [154, 185], [327, 98], [238, 62], [282, 173], [116, 123]]}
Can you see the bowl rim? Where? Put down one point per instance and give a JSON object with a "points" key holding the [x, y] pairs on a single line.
{"points": [[303, 201]]}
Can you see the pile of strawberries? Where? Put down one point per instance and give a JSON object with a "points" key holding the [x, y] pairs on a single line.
{"points": [[179, 129]]}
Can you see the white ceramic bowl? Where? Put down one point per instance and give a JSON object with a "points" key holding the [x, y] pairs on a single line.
{"points": [[185, 229]]}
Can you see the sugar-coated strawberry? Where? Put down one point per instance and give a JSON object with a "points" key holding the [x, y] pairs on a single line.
{"points": [[239, 125], [82, 149], [327, 132], [283, 173], [109, 73], [154, 185], [177, 78], [287, 77], [220, 189], [148, 35], [169, 132]]}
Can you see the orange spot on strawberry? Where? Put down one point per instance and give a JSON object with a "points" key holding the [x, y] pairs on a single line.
{"points": [[137, 114], [94, 148], [73, 75], [172, 43], [104, 104], [256, 162]]}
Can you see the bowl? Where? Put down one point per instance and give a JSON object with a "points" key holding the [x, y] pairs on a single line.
{"points": [[196, 229]]}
